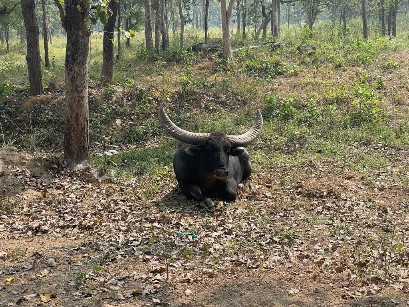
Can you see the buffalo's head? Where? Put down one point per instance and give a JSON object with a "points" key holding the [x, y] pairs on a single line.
{"points": [[215, 147]]}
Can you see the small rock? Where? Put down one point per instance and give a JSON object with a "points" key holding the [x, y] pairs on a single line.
{"points": [[188, 292], [3, 255], [51, 262]]}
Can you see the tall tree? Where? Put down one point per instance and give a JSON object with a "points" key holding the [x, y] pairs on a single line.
{"points": [[244, 18], [119, 29], [182, 24], [45, 35], [148, 25], [75, 20], [264, 23], [364, 19], [33, 47], [164, 24], [108, 43], [392, 14], [206, 21], [226, 10], [158, 24], [275, 18]]}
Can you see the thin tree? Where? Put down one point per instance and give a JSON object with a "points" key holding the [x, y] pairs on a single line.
{"points": [[75, 21], [45, 35], [226, 10], [182, 24], [119, 29], [264, 23], [108, 43], [275, 19], [164, 29], [33, 57], [364, 20], [158, 25], [206, 21], [148, 25]]}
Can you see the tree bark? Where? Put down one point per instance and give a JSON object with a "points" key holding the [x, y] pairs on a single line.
{"points": [[45, 35], [206, 21], [382, 17], [7, 37], [244, 18], [344, 21], [182, 24], [226, 15], [119, 30], [364, 20], [76, 129], [275, 19], [33, 57], [238, 16], [148, 25], [108, 44], [264, 23], [164, 29], [158, 24]]}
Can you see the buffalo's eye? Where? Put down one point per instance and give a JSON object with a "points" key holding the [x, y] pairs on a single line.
{"points": [[227, 150]]}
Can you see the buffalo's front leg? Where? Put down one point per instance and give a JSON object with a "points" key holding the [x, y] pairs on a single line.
{"points": [[230, 192], [195, 192]]}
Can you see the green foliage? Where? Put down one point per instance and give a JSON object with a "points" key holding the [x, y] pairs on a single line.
{"points": [[281, 108], [390, 65], [365, 107], [152, 160]]}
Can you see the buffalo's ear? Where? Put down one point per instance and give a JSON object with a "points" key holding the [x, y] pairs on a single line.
{"points": [[236, 151]]}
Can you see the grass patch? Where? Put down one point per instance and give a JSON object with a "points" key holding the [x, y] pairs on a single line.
{"points": [[146, 161]]}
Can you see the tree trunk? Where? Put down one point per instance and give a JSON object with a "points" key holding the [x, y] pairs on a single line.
{"points": [[382, 17], [226, 15], [45, 35], [148, 25], [393, 14], [238, 16], [119, 30], [108, 44], [76, 134], [244, 18], [7, 37], [364, 20], [33, 47], [206, 21], [158, 24], [264, 23], [275, 19], [344, 21], [182, 24], [164, 29]]}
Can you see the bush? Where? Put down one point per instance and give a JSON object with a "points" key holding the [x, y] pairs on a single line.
{"points": [[281, 108]]}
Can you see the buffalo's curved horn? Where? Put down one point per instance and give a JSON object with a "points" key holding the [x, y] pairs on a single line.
{"points": [[181, 135], [249, 136]]}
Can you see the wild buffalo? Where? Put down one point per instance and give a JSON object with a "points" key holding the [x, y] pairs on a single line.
{"points": [[211, 164]]}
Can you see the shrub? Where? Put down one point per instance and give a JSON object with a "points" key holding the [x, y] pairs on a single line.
{"points": [[281, 108]]}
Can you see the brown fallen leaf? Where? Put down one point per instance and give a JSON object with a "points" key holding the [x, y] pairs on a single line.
{"points": [[136, 292]]}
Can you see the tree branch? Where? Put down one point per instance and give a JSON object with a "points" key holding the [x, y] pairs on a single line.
{"points": [[3, 10], [61, 10]]}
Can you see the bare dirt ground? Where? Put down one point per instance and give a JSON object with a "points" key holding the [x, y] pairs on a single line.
{"points": [[315, 235]]}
